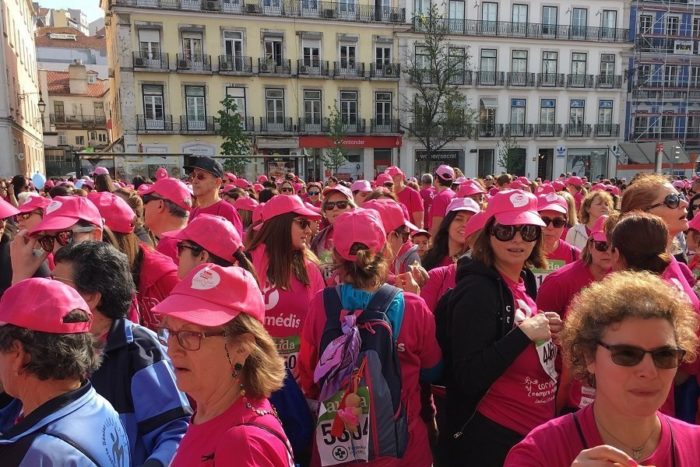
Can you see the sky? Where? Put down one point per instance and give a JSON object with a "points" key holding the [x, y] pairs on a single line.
{"points": [[90, 7]]}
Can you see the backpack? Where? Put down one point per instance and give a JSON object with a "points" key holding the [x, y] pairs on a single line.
{"points": [[361, 416], [295, 416]]}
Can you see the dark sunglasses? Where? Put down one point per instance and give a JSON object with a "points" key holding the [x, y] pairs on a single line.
{"points": [[389, 185], [287, 190], [195, 249], [303, 222], [314, 193], [600, 246], [665, 358], [330, 205], [557, 222], [198, 175], [671, 201], [506, 233], [63, 238]]}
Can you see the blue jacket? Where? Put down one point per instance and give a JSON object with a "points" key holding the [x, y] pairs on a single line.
{"points": [[137, 378], [77, 429]]}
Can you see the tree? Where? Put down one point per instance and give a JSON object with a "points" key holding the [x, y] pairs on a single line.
{"points": [[236, 144], [437, 111], [334, 157], [510, 156]]}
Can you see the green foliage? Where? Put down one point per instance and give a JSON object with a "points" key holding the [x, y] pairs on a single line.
{"points": [[334, 157], [510, 156], [236, 144]]}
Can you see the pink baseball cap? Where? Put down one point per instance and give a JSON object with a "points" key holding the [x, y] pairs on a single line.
{"points": [[230, 177], [245, 203], [598, 230], [143, 188], [574, 180], [382, 179], [463, 204], [228, 187], [694, 223], [261, 179], [358, 226], [173, 190], [257, 187], [523, 179], [212, 295], [612, 189], [8, 210], [162, 172], [216, 234], [116, 212], [445, 172], [678, 184], [552, 202], [544, 189], [558, 185], [421, 232], [470, 188], [390, 213], [343, 190], [362, 186], [313, 208], [42, 305], [257, 213], [460, 180], [393, 171], [514, 207], [475, 223], [598, 187], [33, 203], [64, 211], [283, 204], [100, 171], [518, 185], [242, 183]]}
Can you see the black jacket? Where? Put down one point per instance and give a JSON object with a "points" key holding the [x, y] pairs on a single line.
{"points": [[480, 342]]}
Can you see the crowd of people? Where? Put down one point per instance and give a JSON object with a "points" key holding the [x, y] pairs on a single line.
{"points": [[441, 321]]}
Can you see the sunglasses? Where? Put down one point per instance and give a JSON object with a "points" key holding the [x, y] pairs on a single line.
{"points": [[303, 222], [23, 216], [195, 249], [671, 201], [63, 238], [665, 358], [557, 222], [600, 246], [330, 205], [506, 233], [389, 185], [199, 175], [314, 193], [287, 190]]}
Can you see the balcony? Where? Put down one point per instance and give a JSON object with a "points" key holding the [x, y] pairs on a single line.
{"points": [[608, 81], [489, 130], [482, 28], [608, 130], [458, 129], [276, 125], [551, 130], [149, 124], [289, 8], [354, 128], [551, 80], [385, 70], [578, 130], [490, 78], [313, 125], [461, 77], [348, 70], [150, 61], [579, 81], [274, 67], [521, 79], [194, 63], [61, 120], [384, 125], [235, 65], [519, 130], [191, 125], [312, 68]]}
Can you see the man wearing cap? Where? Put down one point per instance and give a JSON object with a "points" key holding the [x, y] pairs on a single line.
{"points": [[51, 414], [407, 196], [444, 176], [136, 376], [427, 193], [207, 177], [166, 206]]}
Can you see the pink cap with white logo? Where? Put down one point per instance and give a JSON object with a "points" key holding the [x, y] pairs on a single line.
{"points": [[215, 234], [33, 203], [463, 204], [552, 202], [171, 189], [116, 212], [391, 214], [65, 211], [358, 226], [514, 207], [470, 188], [445, 172]]}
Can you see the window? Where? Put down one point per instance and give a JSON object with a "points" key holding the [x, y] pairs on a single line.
{"points": [[577, 108], [672, 23], [274, 109], [91, 79], [668, 126], [239, 97], [487, 66], [102, 137], [517, 117], [311, 53], [646, 23], [422, 7], [642, 128], [456, 15], [579, 22], [671, 75], [312, 110], [233, 44], [149, 44], [519, 19], [547, 116], [423, 63], [607, 70], [549, 63], [153, 107], [382, 110], [195, 107], [58, 109], [489, 17], [605, 110], [695, 76], [696, 28], [348, 107], [347, 7], [382, 57], [518, 62], [608, 24], [549, 20], [643, 74], [487, 117], [192, 46], [80, 140], [273, 50], [456, 60], [578, 64], [347, 56]]}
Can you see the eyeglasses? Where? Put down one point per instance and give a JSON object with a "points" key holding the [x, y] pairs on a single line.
{"points": [[195, 249], [188, 340], [23, 216], [665, 358], [287, 190], [389, 185], [330, 205], [314, 193], [600, 246], [506, 233], [671, 201], [199, 175], [63, 238], [557, 222], [303, 222]]}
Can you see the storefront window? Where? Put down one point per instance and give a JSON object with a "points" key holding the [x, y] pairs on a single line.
{"points": [[591, 162]]}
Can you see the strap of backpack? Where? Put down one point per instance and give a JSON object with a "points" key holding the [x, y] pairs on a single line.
{"points": [[382, 298], [333, 307]]}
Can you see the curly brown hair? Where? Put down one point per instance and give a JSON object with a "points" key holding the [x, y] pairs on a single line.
{"points": [[620, 296]]}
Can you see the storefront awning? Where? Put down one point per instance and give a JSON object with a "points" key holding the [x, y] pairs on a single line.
{"points": [[489, 102], [645, 153]]}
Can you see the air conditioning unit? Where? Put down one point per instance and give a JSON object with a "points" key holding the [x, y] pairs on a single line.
{"points": [[388, 70], [330, 13], [183, 64], [212, 5], [225, 66], [395, 17], [251, 8], [303, 69], [265, 67], [138, 61]]}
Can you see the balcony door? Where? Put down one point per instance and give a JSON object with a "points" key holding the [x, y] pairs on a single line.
{"points": [[382, 111], [153, 110], [195, 108], [579, 23], [233, 48], [149, 46], [192, 50]]}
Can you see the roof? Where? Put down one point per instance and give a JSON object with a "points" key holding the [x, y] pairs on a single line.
{"points": [[68, 38], [58, 85], [645, 153]]}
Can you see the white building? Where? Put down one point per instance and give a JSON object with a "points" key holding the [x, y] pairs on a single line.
{"points": [[549, 74], [59, 47]]}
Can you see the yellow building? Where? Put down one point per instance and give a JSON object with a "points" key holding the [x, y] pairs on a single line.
{"points": [[286, 63]]}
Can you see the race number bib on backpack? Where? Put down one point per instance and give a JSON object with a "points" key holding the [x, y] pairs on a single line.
{"points": [[347, 416]]}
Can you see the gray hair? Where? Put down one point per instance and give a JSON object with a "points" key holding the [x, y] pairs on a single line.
{"points": [[426, 179]]}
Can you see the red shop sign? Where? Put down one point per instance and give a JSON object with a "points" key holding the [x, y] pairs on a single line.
{"points": [[351, 142]]}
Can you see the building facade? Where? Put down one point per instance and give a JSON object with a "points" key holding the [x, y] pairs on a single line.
{"points": [[286, 64], [548, 75], [21, 143], [59, 47]]}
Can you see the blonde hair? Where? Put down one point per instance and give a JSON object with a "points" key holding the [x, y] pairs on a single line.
{"points": [[572, 215], [584, 214], [642, 192], [368, 271]]}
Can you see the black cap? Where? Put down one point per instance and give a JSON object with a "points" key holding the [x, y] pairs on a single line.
{"points": [[207, 164]]}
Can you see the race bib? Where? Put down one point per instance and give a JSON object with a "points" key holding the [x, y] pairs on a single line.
{"points": [[552, 265], [587, 395], [547, 353], [288, 348], [349, 446]]}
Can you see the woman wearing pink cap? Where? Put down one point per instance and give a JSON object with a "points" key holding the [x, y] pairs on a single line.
{"points": [[448, 243], [227, 362], [245, 206], [499, 355], [362, 257], [286, 188], [626, 335], [553, 211], [594, 205], [313, 194], [31, 212]]}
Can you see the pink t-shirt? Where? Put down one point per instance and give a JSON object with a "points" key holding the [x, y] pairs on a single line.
{"points": [[168, 246], [562, 255], [427, 195], [225, 440], [440, 202], [439, 281], [223, 209], [674, 275], [557, 443], [411, 199], [523, 397]]}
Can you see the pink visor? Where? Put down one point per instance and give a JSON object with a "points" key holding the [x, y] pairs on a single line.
{"points": [[215, 234], [514, 207], [552, 202], [358, 226], [65, 211]]}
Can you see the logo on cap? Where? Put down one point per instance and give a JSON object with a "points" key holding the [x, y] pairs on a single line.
{"points": [[518, 200], [205, 279], [55, 205], [551, 197]]}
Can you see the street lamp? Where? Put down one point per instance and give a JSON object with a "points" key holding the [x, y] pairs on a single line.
{"points": [[42, 106]]}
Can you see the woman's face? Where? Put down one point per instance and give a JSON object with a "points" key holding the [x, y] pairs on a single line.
{"points": [[189, 256], [287, 189], [332, 214], [455, 231], [601, 259], [361, 196], [512, 252], [639, 390], [314, 194], [675, 218], [598, 208], [301, 233], [422, 242], [27, 221], [550, 233]]}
